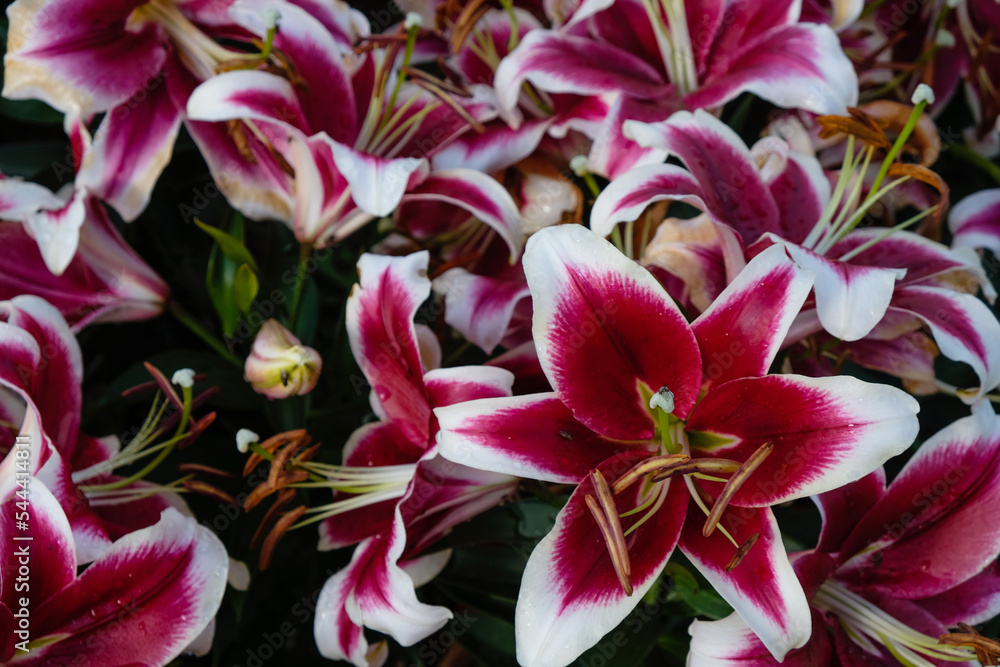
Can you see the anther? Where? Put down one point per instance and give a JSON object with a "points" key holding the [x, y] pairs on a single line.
{"points": [[742, 552], [605, 514], [733, 485]]}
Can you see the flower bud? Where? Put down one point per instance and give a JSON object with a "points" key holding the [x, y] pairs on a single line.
{"points": [[279, 365]]}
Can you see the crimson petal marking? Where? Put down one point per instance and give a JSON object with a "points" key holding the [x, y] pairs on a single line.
{"points": [[945, 496], [247, 94], [612, 153], [560, 63], [131, 147], [976, 600], [54, 383], [175, 574], [627, 196], [909, 357], [89, 535], [826, 432], [850, 299], [48, 543], [731, 643], [480, 195], [963, 327], [841, 507], [975, 221], [532, 436], [922, 258], [762, 588], [731, 184], [801, 192], [380, 314], [741, 331], [594, 305], [81, 57], [799, 66], [570, 595], [479, 307]]}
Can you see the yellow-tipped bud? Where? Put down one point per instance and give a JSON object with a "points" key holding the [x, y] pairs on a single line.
{"points": [[279, 365]]}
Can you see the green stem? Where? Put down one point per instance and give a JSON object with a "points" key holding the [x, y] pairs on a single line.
{"points": [[187, 320], [966, 154], [305, 251]]}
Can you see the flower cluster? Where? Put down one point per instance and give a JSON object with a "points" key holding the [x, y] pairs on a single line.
{"points": [[531, 321]]}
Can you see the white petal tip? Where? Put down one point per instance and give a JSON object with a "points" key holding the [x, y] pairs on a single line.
{"points": [[183, 377], [244, 437]]}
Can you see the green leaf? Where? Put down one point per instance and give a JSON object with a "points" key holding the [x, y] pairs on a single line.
{"points": [[219, 281], [232, 246], [32, 159], [702, 601], [245, 287]]}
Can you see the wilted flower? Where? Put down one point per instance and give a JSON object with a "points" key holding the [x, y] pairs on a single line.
{"points": [[279, 364]]}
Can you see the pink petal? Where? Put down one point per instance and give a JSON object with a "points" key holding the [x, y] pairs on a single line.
{"points": [[570, 595], [798, 66], [377, 184], [976, 600], [592, 303], [826, 432], [498, 148], [932, 530], [731, 184], [481, 308], [19, 199], [448, 386], [627, 196], [559, 63], [801, 192], [380, 326], [532, 436], [963, 327], [742, 330], [614, 154], [174, 574], [975, 221], [850, 299], [80, 56], [841, 507], [922, 258], [43, 544], [762, 588], [131, 148], [731, 642], [477, 193], [247, 94]]}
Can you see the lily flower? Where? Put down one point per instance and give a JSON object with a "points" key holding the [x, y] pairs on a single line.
{"points": [[675, 436], [895, 567], [143, 601], [869, 282], [343, 145]]}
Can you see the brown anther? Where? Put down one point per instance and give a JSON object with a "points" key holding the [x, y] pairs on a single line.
{"points": [[703, 466], [284, 499], [859, 125], [466, 23], [733, 485], [205, 489], [297, 438], [611, 530], [931, 225], [924, 142], [307, 454], [646, 466], [239, 137], [280, 528], [742, 552], [196, 428], [987, 650], [199, 468]]}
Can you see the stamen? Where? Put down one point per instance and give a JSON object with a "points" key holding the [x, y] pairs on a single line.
{"points": [[644, 467], [742, 552], [733, 485], [280, 528], [606, 516], [987, 650]]}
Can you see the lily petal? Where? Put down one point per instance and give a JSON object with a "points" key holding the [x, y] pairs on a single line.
{"points": [[533, 436], [479, 307], [826, 432], [973, 221], [591, 302], [627, 196], [570, 594]]}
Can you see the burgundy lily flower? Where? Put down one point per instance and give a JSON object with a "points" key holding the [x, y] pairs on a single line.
{"points": [[895, 567], [647, 411], [871, 282], [393, 493], [143, 601]]}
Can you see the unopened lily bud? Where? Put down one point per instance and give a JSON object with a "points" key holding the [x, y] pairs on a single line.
{"points": [[279, 365]]}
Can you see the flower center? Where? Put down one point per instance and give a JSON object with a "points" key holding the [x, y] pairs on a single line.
{"points": [[674, 40]]}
